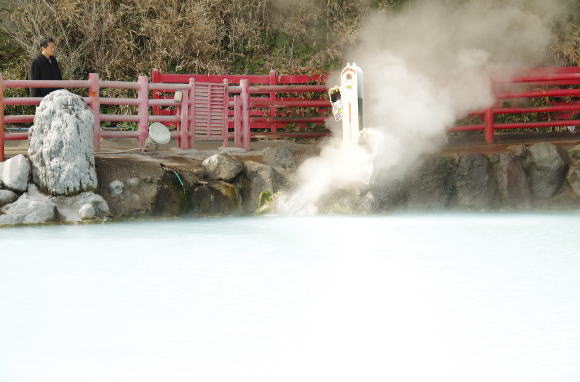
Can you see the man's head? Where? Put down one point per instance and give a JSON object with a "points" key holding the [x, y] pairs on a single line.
{"points": [[47, 46]]}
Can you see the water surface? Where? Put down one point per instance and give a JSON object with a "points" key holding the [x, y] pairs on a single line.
{"points": [[477, 297]]}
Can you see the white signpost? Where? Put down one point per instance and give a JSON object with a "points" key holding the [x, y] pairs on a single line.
{"points": [[347, 103]]}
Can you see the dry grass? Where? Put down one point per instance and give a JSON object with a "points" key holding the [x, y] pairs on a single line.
{"points": [[120, 39]]}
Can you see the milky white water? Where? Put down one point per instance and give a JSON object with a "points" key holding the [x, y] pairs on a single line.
{"points": [[454, 297]]}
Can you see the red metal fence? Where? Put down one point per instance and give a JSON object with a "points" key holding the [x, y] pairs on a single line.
{"points": [[229, 107], [202, 113], [275, 100], [552, 94]]}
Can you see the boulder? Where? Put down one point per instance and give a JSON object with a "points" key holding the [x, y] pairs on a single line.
{"points": [[87, 212], [7, 196], [222, 166], [61, 145], [116, 187], [216, 199], [428, 185], [513, 187], [389, 195], [347, 202], [14, 173], [279, 157], [574, 154], [474, 183], [546, 170], [573, 178], [86, 205], [30, 208], [260, 177]]}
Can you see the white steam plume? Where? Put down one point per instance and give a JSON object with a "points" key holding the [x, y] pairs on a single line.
{"points": [[425, 67]]}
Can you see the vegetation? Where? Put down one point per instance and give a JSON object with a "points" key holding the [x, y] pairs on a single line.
{"points": [[121, 39], [126, 38]]}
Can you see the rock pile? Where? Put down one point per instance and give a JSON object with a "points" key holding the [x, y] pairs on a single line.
{"points": [[60, 164]]}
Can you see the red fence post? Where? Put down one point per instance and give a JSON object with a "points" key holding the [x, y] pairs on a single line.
{"points": [[272, 109], [184, 121], [143, 109], [1, 118], [488, 121], [94, 90], [191, 113], [245, 95]]}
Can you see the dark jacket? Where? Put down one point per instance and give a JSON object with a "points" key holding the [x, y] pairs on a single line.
{"points": [[41, 68]]}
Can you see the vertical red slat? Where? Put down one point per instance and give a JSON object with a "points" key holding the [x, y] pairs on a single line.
{"points": [[245, 95], [237, 121], [225, 112], [272, 109], [209, 109], [1, 118], [488, 120], [155, 79], [191, 108], [143, 109], [184, 140], [94, 95]]}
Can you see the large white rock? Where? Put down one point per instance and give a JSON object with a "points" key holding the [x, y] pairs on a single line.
{"points": [[14, 173], [32, 207], [61, 145]]}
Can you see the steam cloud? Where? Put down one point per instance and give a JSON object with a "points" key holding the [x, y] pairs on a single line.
{"points": [[425, 67]]}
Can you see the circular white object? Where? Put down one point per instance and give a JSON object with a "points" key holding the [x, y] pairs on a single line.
{"points": [[159, 133]]}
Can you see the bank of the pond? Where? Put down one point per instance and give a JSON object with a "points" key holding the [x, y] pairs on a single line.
{"points": [[228, 182], [541, 176]]}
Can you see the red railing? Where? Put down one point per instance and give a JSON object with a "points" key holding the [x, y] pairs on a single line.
{"points": [[255, 103], [268, 109], [189, 110], [547, 83]]}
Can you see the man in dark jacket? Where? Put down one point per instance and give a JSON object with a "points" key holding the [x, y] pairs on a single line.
{"points": [[44, 67]]}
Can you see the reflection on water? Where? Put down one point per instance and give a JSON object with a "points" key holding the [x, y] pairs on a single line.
{"points": [[398, 298]]}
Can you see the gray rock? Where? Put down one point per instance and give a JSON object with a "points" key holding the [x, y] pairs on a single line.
{"points": [[7, 196], [69, 207], [260, 177], [474, 183], [61, 145], [574, 154], [573, 178], [222, 166], [279, 157], [87, 212], [31, 208], [133, 182], [14, 173], [389, 195], [513, 187], [219, 198], [116, 187], [546, 170], [428, 186]]}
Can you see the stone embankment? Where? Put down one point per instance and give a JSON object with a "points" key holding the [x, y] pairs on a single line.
{"points": [[539, 177]]}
